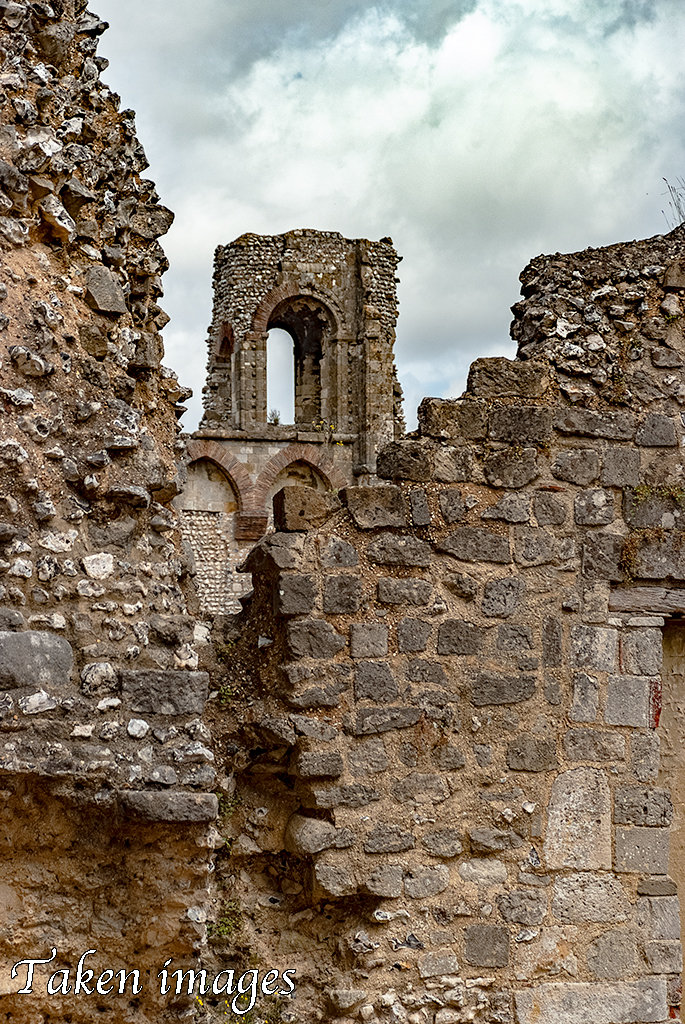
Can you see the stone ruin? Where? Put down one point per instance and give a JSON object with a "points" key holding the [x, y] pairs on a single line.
{"points": [[435, 762]]}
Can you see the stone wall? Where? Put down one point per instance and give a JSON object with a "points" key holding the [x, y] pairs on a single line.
{"points": [[444, 731], [105, 771]]}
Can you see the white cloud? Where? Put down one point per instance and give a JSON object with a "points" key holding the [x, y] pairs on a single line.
{"points": [[477, 135]]}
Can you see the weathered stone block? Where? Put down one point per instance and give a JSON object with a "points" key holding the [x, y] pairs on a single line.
{"points": [[592, 745], [453, 465], [373, 680], [534, 545], [451, 505], [430, 673], [529, 753], [388, 839], [337, 553], [637, 805], [385, 880], [317, 686], [306, 836], [585, 698], [624, 1002], [170, 807], [440, 962], [589, 897], [664, 957], [342, 594], [519, 423], [406, 460], [448, 758], [628, 701], [422, 882], [452, 419], [601, 557], [642, 849], [459, 637], [328, 797], [493, 688], [104, 292], [656, 431], [594, 647], [165, 692], [620, 467], [391, 549], [579, 821], [418, 504], [333, 879], [483, 871], [373, 720], [487, 945], [501, 597], [413, 635], [493, 840], [295, 594], [615, 426], [445, 842], [656, 887], [613, 955], [34, 658], [476, 544], [646, 757], [514, 640], [319, 764], [641, 652], [421, 788], [549, 509], [276, 551], [368, 640], [497, 377], [368, 756], [374, 507], [314, 638], [523, 907], [411, 591], [552, 643], [594, 507], [577, 466], [461, 584], [510, 468], [512, 508], [658, 917], [303, 508]]}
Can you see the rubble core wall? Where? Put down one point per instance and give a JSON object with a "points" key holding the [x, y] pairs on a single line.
{"points": [[105, 770], [448, 774]]}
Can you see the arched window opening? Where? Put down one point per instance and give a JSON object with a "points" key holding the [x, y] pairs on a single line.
{"points": [[310, 325], [280, 377]]}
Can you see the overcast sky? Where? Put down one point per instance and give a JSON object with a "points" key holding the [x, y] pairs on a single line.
{"points": [[476, 133]]}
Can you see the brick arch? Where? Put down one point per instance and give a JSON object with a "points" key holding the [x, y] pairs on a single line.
{"points": [[297, 453], [260, 320], [237, 475]]}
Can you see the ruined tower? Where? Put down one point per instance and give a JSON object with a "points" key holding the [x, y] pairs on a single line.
{"points": [[336, 298]]}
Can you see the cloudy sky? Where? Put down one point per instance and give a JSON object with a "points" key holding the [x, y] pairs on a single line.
{"points": [[476, 133]]}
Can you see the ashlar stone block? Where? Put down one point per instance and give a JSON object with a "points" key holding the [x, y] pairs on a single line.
{"points": [[624, 1002], [579, 821]]}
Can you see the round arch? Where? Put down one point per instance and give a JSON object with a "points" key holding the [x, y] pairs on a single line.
{"points": [[297, 453]]}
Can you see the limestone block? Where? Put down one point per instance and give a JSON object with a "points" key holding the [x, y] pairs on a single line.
{"points": [[170, 807], [534, 545], [373, 680], [391, 549], [342, 594], [641, 652], [579, 821], [594, 507], [476, 544], [577, 466], [620, 467], [658, 917], [385, 838], [295, 594], [589, 897], [613, 955], [493, 840], [646, 756], [375, 507], [418, 503], [437, 963], [510, 468], [594, 647], [625, 1002], [483, 871], [501, 597], [637, 805], [451, 505], [497, 377], [549, 509], [585, 698], [413, 635], [374, 720], [319, 764], [523, 907], [444, 842], [314, 638], [34, 658], [494, 688], [642, 849], [165, 693], [529, 753], [406, 460], [487, 945], [306, 836], [628, 701], [601, 556], [422, 882], [592, 745], [335, 552], [512, 508], [385, 880], [615, 426], [456, 636], [656, 431], [368, 640], [103, 291], [303, 508], [413, 591], [453, 465], [664, 957]]}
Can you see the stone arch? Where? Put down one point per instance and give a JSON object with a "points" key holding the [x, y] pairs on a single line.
{"points": [[285, 291], [237, 475], [297, 453]]}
